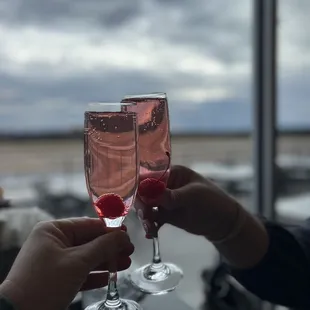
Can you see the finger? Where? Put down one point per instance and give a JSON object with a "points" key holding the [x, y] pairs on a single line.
{"points": [[181, 176], [149, 203], [139, 205], [145, 214], [127, 251], [192, 194], [150, 228], [178, 177], [167, 200], [147, 219], [80, 230], [95, 280], [162, 215], [143, 211], [174, 177], [122, 264], [104, 248]]}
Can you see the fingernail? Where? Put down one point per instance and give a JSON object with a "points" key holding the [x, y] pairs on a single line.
{"points": [[124, 228]]}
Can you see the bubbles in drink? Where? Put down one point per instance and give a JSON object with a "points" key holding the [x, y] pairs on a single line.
{"points": [[154, 133], [110, 160]]}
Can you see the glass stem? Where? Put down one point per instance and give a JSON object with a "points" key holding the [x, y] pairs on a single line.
{"points": [[156, 261], [156, 251], [112, 301], [157, 264]]}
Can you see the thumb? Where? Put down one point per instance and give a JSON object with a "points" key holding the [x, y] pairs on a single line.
{"points": [[104, 248]]}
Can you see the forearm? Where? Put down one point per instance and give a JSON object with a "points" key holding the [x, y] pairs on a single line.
{"points": [[243, 246], [248, 247]]}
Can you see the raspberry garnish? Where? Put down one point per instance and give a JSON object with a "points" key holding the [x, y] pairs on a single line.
{"points": [[110, 206], [151, 187]]}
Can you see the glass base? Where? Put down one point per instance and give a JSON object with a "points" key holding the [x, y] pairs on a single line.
{"points": [[125, 305], [156, 279]]}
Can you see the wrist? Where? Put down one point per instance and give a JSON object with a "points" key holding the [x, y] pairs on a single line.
{"points": [[233, 228], [246, 244], [229, 217]]}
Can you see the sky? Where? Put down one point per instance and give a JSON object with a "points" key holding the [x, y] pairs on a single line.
{"points": [[58, 55]]}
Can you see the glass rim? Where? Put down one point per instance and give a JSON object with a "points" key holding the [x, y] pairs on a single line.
{"points": [[154, 95], [115, 107], [112, 104]]}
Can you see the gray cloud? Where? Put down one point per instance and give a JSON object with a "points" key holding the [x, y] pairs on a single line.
{"points": [[70, 13], [101, 84], [79, 89], [219, 30], [52, 102]]}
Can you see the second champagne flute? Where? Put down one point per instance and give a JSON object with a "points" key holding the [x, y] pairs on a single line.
{"points": [[155, 158], [111, 171]]}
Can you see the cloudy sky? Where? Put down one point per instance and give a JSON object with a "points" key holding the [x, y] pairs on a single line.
{"points": [[57, 55]]}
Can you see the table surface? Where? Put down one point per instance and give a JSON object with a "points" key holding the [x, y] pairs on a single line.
{"points": [[169, 301], [192, 253]]}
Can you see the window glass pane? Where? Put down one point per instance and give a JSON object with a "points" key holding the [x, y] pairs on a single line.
{"points": [[294, 110]]}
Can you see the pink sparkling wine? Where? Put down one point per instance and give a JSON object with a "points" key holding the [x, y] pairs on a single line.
{"points": [[110, 159], [154, 134]]}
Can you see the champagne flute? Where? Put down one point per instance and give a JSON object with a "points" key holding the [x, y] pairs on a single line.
{"points": [[154, 154], [111, 171]]}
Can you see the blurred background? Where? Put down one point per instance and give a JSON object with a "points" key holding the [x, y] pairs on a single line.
{"points": [[57, 56]]}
